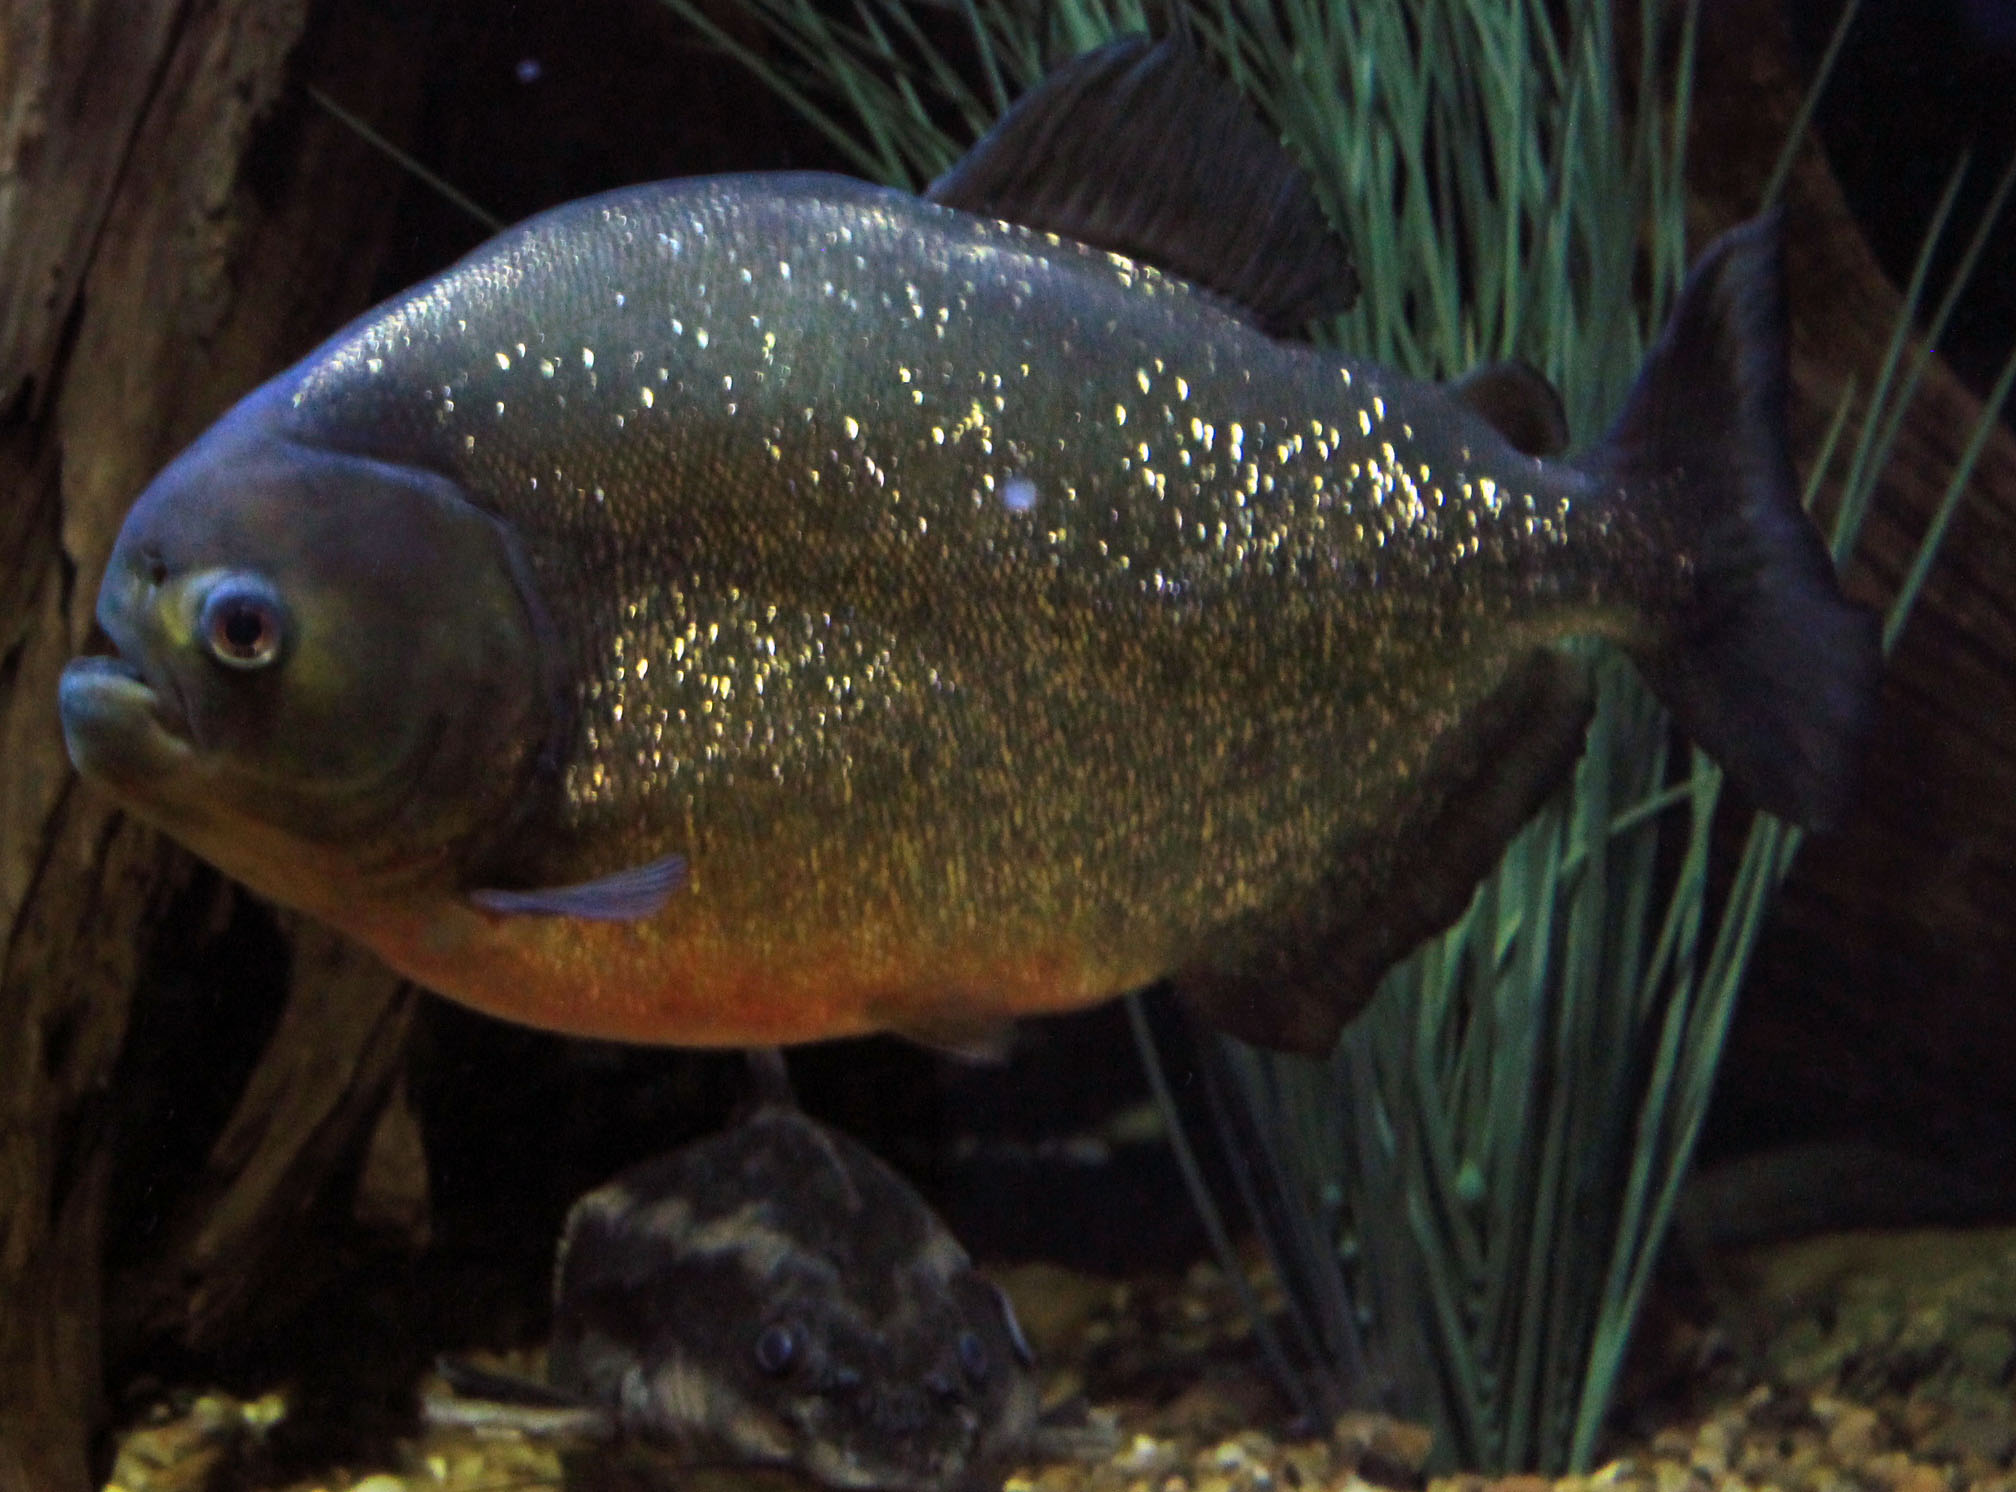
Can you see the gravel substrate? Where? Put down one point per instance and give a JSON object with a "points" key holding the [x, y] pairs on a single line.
{"points": [[1861, 1363]]}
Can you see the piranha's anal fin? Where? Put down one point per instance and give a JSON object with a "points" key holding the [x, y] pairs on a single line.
{"points": [[1292, 981], [1139, 149], [1520, 403], [1770, 670], [627, 896]]}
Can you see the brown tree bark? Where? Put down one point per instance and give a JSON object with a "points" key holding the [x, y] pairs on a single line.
{"points": [[1880, 997], [137, 299]]}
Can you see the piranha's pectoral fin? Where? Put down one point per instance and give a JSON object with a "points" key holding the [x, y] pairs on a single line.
{"points": [[1292, 982], [1139, 149], [627, 896], [1771, 670], [1520, 403]]}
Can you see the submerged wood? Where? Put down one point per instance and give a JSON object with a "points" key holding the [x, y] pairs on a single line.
{"points": [[1878, 998], [154, 170]]}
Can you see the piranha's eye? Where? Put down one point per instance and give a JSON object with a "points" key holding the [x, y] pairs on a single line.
{"points": [[973, 1356], [777, 1348], [243, 623]]}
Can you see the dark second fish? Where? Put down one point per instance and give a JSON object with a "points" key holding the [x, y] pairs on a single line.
{"points": [[763, 608]]}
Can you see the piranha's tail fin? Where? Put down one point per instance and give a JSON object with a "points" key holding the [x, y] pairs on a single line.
{"points": [[1772, 671]]}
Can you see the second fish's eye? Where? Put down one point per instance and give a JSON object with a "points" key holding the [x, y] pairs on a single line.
{"points": [[777, 1348], [243, 624]]}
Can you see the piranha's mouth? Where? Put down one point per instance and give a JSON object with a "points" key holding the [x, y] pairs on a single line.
{"points": [[117, 724]]}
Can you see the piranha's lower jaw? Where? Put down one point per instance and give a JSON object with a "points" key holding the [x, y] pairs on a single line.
{"points": [[113, 727]]}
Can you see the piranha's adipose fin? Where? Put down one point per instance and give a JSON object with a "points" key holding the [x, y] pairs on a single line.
{"points": [[1772, 671], [1291, 982], [626, 896], [1089, 153], [1520, 403]]}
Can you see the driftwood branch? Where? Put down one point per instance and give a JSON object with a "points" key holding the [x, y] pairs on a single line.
{"points": [[139, 295]]}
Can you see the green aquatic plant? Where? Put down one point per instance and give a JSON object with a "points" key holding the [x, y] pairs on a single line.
{"points": [[1464, 1203]]}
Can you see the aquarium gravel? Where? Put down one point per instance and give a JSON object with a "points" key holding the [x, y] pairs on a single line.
{"points": [[1858, 1363]]}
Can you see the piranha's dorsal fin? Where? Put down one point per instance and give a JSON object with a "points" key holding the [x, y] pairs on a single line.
{"points": [[1771, 670], [626, 896], [1520, 403], [1291, 980], [1137, 148]]}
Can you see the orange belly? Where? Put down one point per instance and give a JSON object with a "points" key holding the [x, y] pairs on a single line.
{"points": [[669, 983]]}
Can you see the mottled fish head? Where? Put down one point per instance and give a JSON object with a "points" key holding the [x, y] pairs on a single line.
{"points": [[927, 1400], [326, 663], [776, 1296]]}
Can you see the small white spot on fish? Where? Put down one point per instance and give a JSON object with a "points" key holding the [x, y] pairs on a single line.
{"points": [[621, 299], [1141, 378], [504, 360], [1378, 407], [853, 427], [784, 268], [374, 364], [645, 396], [1018, 494], [700, 336], [587, 357], [1119, 414], [1364, 423]]}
